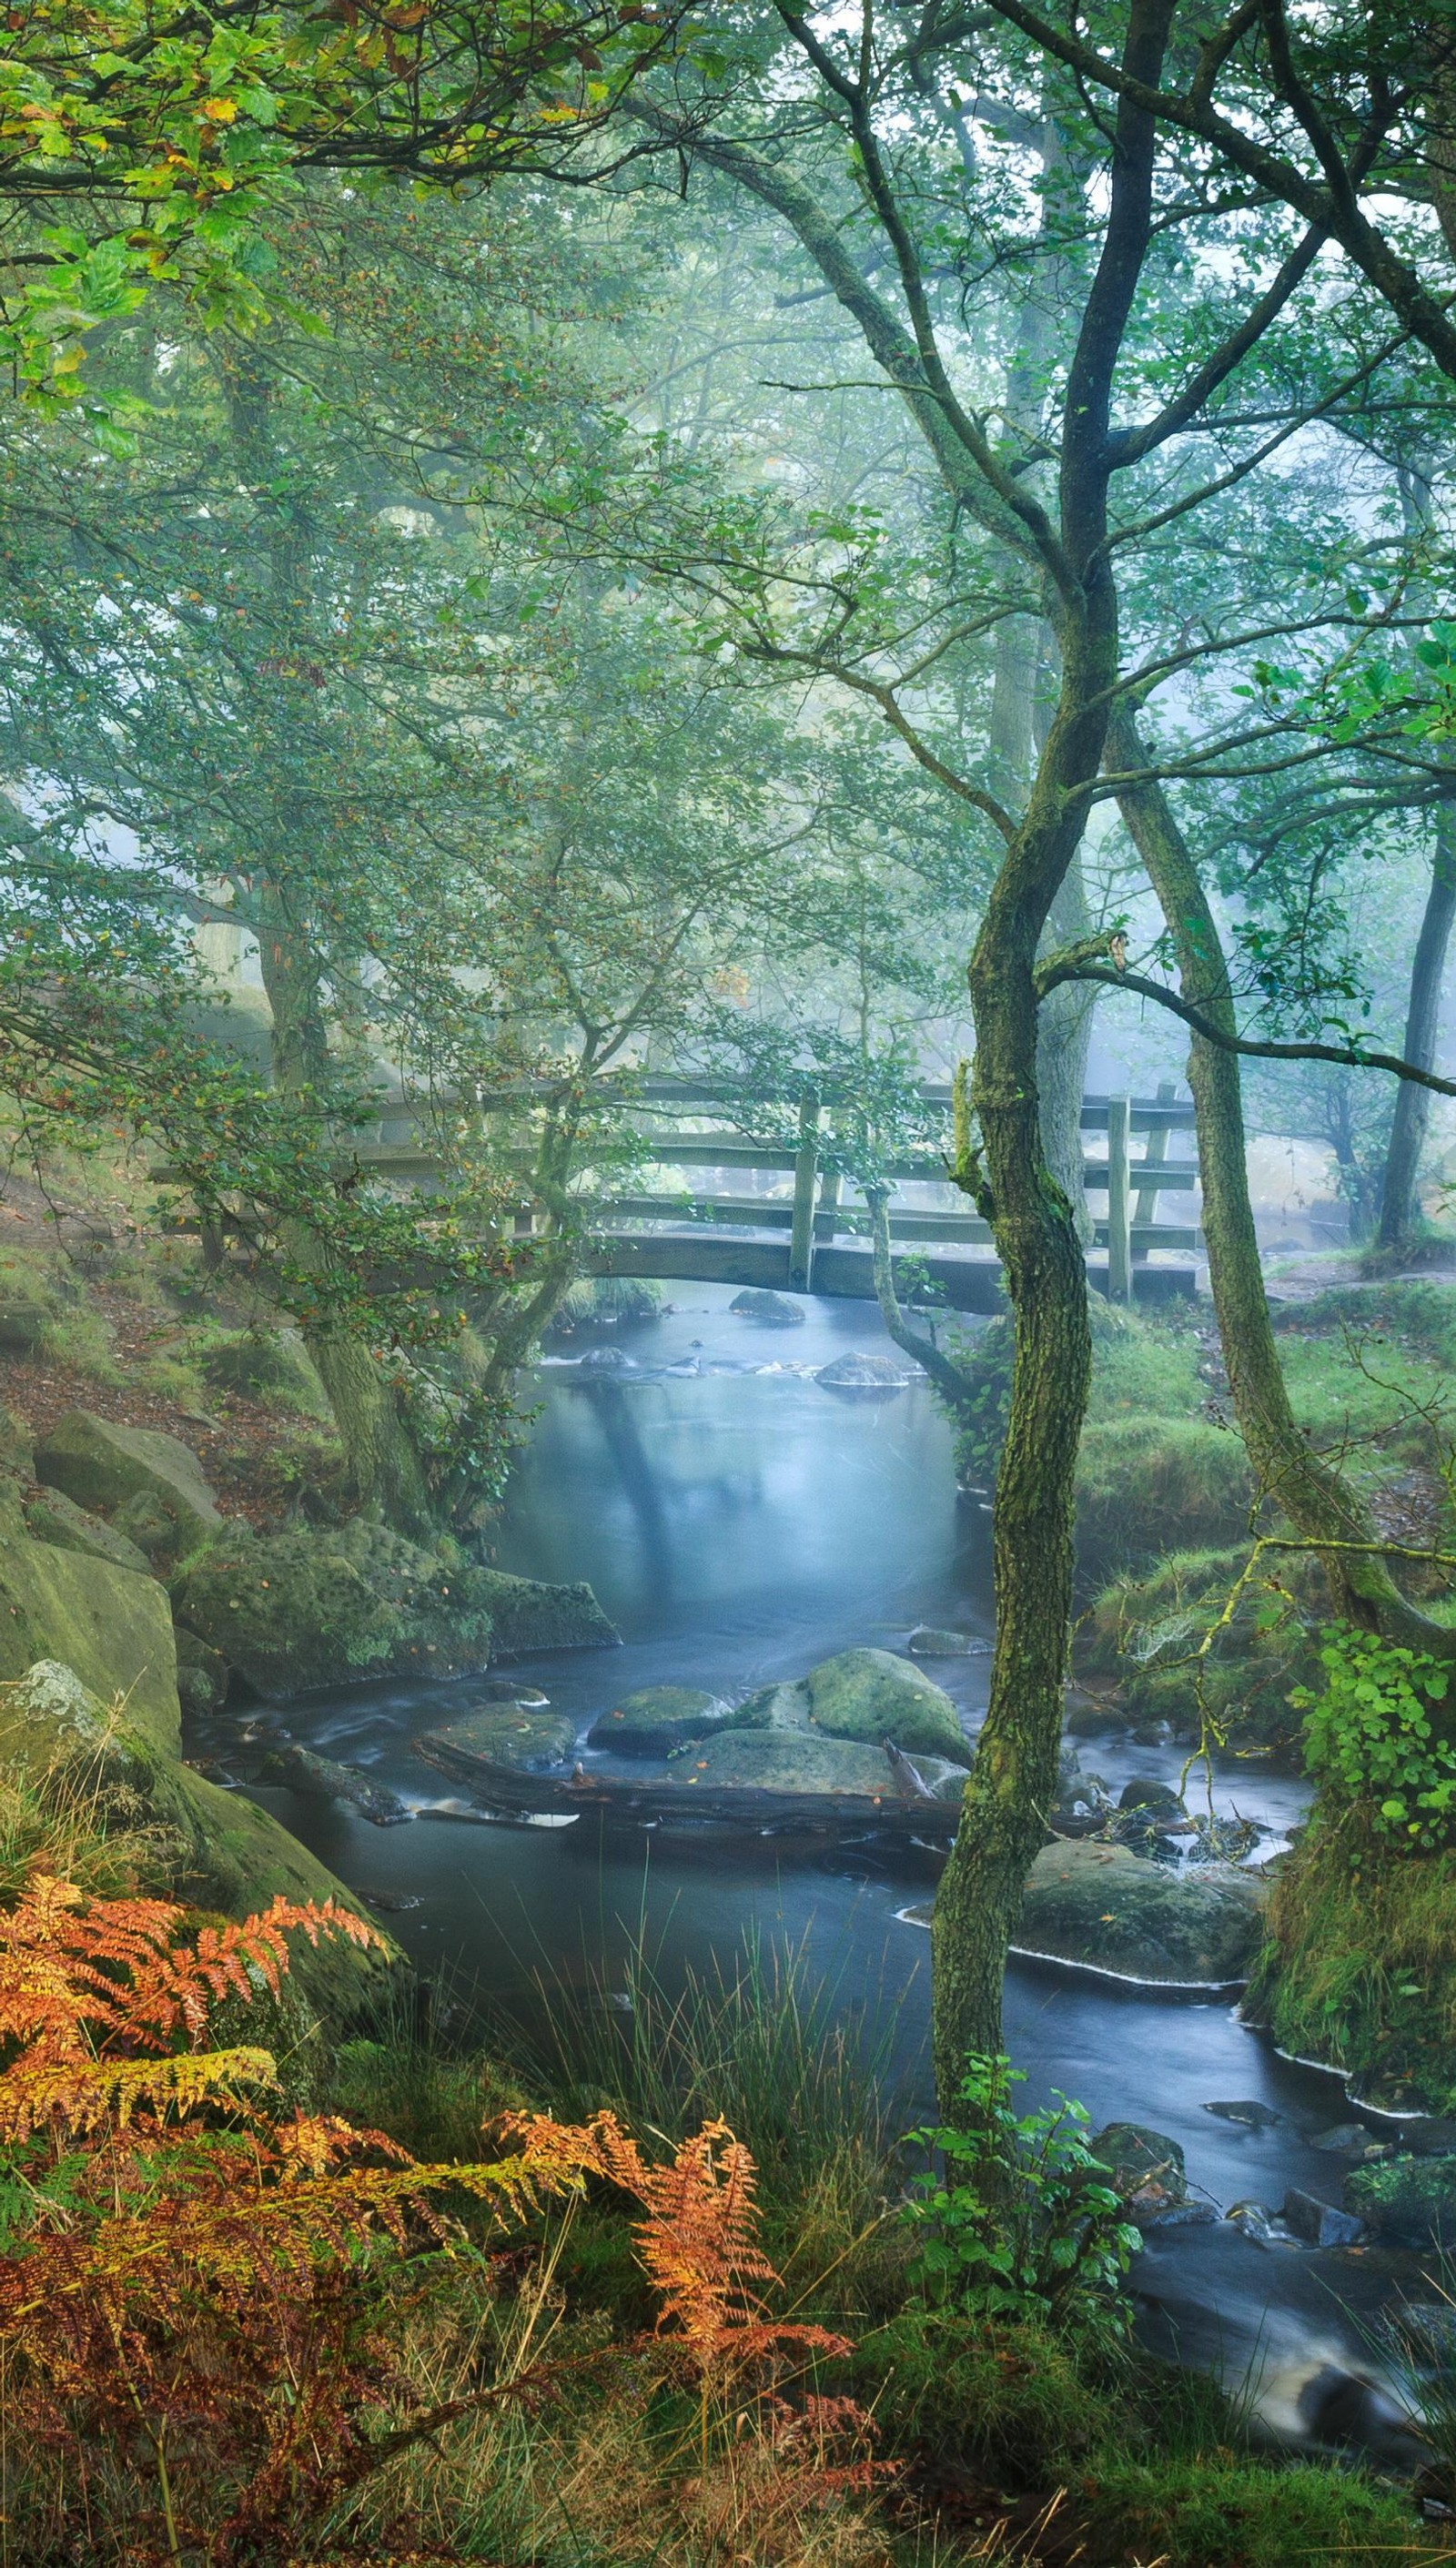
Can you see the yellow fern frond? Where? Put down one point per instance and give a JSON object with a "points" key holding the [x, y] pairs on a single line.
{"points": [[79, 2096]]}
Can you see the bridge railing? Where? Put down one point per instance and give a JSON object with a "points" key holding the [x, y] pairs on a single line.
{"points": [[812, 1210]]}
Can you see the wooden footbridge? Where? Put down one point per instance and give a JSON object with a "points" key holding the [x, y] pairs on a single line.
{"points": [[749, 1212]]}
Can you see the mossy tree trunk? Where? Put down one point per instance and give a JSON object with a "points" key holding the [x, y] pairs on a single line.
{"points": [[383, 1463], [1316, 1498], [1413, 1103]]}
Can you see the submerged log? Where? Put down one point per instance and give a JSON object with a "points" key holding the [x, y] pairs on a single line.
{"points": [[503, 1787]]}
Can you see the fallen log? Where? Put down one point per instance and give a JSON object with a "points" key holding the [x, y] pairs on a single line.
{"points": [[646, 1800]]}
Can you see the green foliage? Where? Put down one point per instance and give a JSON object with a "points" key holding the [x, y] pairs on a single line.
{"points": [[1020, 2222], [1370, 1737]]}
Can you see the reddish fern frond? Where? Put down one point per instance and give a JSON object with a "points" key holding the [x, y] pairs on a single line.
{"points": [[86, 1977], [698, 2241]]}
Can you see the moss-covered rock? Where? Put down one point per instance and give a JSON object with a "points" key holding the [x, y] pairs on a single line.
{"points": [[315, 1606], [103, 1465], [225, 1852], [541, 1614], [111, 1626], [27, 1310], [873, 1695], [656, 1719], [1407, 2201], [265, 1363], [500, 1734], [781, 1760], [767, 1309], [1116, 1912], [1359, 1968], [202, 1672], [53, 1517], [774, 1706]]}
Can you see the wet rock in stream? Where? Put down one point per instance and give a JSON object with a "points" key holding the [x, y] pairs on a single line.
{"points": [[1103, 1908], [657, 1719], [319, 1778]]}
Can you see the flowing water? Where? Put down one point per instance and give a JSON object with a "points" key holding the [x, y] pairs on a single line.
{"points": [[740, 1521]]}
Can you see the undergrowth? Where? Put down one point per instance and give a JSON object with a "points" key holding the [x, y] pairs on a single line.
{"points": [[237, 2334]]}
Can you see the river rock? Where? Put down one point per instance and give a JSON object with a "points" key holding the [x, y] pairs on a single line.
{"points": [[51, 1516], [774, 1706], [929, 1641], [510, 1689], [528, 1614], [657, 1718], [768, 1310], [530, 1742], [607, 1359], [1347, 2140], [1319, 2223], [1248, 2111], [787, 1761], [1149, 1792], [1145, 2167], [1109, 1910], [102, 1465], [872, 1694], [858, 1372], [319, 1778], [943, 1777], [1406, 2201]]}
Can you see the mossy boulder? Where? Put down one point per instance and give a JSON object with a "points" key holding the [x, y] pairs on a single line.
{"points": [[500, 1734], [657, 1718], [1407, 2201], [53, 1517], [873, 1695], [541, 1614], [310, 1607], [766, 1309], [1118, 1913], [782, 1761], [224, 1853], [102, 1465], [774, 1706], [27, 1310], [112, 1626], [265, 1365], [202, 1672], [316, 1606]]}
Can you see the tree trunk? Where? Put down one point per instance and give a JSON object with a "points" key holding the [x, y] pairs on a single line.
{"points": [[1413, 1103], [1014, 1779], [385, 1468], [1320, 1505], [946, 1376]]}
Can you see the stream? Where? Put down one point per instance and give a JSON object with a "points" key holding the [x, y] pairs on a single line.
{"points": [[739, 1522]]}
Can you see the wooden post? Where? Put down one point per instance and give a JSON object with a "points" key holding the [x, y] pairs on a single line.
{"points": [[827, 1215], [806, 1169], [1154, 1154], [1119, 1208]]}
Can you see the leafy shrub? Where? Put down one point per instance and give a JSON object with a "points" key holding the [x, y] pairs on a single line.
{"points": [[1369, 1737], [1020, 2222]]}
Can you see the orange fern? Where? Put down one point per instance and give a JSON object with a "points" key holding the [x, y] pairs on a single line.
{"points": [[697, 2240]]}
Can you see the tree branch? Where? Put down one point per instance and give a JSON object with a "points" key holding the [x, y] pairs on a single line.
{"points": [[1076, 964]]}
